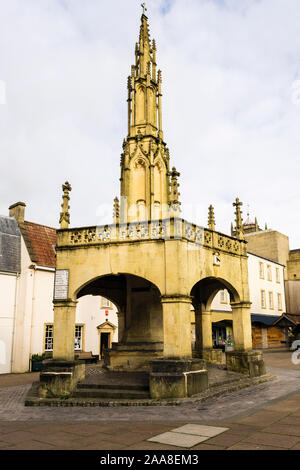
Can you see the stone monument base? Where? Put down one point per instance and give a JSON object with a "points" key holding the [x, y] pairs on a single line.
{"points": [[132, 356], [210, 355], [246, 362], [177, 378], [59, 378]]}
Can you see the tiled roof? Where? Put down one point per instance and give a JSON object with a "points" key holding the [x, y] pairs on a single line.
{"points": [[10, 245], [290, 317], [40, 241]]}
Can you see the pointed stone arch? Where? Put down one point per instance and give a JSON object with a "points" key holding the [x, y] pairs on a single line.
{"points": [[203, 293], [139, 188], [141, 107], [138, 301]]}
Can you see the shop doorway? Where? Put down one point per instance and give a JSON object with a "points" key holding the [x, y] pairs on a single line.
{"points": [[104, 343]]}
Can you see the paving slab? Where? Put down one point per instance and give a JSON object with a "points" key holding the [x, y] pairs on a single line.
{"points": [[177, 439], [291, 420], [153, 446], [206, 446], [285, 429], [275, 440], [226, 439], [245, 446], [200, 430], [264, 418]]}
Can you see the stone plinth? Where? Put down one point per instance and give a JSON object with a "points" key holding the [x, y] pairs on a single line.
{"points": [[210, 355], [132, 356], [246, 362], [59, 378], [177, 378]]}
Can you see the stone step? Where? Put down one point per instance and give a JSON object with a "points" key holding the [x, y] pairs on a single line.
{"points": [[226, 382], [221, 389], [32, 398], [110, 393], [96, 386]]}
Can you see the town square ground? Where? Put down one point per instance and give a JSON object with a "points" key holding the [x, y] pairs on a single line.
{"points": [[265, 416]]}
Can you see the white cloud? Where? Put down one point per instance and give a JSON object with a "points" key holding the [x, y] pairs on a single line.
{"points": [[231, 114]]}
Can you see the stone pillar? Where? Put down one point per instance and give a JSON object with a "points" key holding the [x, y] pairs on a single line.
{"points": [[121, 326], [241, 325], [204, 344], [243, 359], [177, 326], [60, 375], [64, 330], [203, 328]]}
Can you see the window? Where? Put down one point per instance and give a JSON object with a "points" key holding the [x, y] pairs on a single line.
{"points": [[269, 273], [78, 337], [223, 297], [279, 300], [261, 270], [105, 303], [277, 275], [263, 298], [49, 338], [271, 303]]}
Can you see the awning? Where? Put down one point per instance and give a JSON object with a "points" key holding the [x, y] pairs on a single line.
{"points": [[223, 323], [265, 319]]}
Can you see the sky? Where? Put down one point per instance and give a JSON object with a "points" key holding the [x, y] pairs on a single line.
{"points": [[231, 105]]}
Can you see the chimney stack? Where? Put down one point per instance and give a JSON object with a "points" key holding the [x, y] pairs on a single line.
{"points": [[17, 211]]}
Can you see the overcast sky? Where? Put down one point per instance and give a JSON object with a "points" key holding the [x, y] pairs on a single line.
{"points": [[231, 105]]}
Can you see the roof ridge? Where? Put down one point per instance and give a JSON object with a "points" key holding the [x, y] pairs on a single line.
{"points": [[40, 225]]}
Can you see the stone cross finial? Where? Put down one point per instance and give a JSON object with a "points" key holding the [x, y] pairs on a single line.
{"points": [[174, 193], [143, 5], [238, 219], [64, 219], [211, 218], [116, 211]]}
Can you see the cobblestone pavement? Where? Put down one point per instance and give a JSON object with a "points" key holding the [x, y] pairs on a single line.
{"points": [[234, 404], [266, 416]]}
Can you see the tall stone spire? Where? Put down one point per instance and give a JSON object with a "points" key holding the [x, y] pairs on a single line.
{"points": [[144, 87], [145, 176]]}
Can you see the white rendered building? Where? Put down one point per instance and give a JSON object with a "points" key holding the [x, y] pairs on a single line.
{"points": [[267, 296], [27, 270]]}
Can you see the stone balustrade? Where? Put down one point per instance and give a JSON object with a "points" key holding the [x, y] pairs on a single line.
{"points": [[175, 228]]}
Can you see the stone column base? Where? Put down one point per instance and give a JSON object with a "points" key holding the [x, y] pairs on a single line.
{"points": [[59, 378], [212, 356], [246, 362], [132, 356], [177, 378]]}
